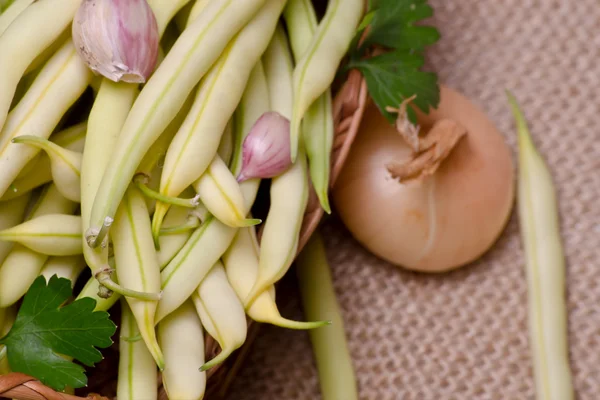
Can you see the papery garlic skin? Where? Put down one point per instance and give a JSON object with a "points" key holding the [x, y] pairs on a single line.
{"points": [[266, 148], [117, 39]]}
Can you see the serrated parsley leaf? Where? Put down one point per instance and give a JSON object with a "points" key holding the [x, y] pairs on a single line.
{"points": [[44, 330], [393, 25], [395, 76]]}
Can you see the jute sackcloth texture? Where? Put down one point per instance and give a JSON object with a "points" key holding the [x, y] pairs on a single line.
{"points": [[463, 335]]}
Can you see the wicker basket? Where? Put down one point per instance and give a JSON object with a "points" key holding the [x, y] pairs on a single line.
{"points": [[348, 107]]}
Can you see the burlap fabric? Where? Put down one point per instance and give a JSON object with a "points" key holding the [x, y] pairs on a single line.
{"points": [[463, 335]]}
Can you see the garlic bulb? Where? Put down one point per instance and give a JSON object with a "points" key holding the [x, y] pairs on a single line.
{"points": [[117, 39], [266, 149]]}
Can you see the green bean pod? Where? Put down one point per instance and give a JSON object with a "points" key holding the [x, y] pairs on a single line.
{"points": [[317, 127], [330, 345], [68, 267], [241, 266], [60, 83], [65, 165], [44, 21], [546, 269], [137, 371], [316, 69], [198, 47], [12, 12], [92, 290], [289, 191], [195, 145], [12, 213], [221, 313], [137, 264], [181, 336], [22, 265]]}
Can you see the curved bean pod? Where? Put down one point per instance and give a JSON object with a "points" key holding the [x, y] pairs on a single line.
{"points": [[198, 47], [51, 234], [317, 127], [316, 69], [68, 267], [12, 213], [241, 266], [195, 145], [12, 12], [221, 313], [220, 193], [137, 371], [181, 336], [65, 165], [72, 138], [60, 83], [22, 265], [289, 191], [43, 21], [137, 264]]}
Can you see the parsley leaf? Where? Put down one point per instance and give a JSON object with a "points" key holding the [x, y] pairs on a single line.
{"points": [[392, 25], [43, 331], [396, 75]]}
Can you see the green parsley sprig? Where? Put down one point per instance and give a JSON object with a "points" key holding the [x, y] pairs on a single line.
{"points": [[396, 74], [46, 330]]}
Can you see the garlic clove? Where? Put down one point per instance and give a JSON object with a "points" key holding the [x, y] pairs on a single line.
{"points": [[117, 39], [266, 148]]}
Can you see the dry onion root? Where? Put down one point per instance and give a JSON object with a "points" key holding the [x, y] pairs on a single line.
{"points": [[428, 201]]}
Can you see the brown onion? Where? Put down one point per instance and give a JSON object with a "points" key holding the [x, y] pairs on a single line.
{"points": [[447, 214]]}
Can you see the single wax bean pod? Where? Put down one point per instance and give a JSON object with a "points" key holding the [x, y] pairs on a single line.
{"points": [[12, 12], [221, 313], [546, 269], [65, 165], [181, 336], [52, 234], [241, 266], [221, 195], [23, 262], [137, 264], [266, 149], [137, 371], [68, 267], [117, 39]]}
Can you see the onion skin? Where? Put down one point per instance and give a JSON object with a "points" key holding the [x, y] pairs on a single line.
{"points": [[442, 221]]}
